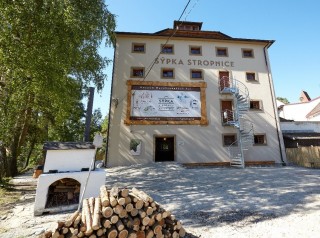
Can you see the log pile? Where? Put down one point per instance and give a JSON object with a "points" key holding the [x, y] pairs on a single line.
{"points": [[119, 213]]}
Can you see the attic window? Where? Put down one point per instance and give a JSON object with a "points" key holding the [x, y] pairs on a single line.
{"points": [[167, 49], [222, 51], [138, 47], [195, 50], [247, 53]]}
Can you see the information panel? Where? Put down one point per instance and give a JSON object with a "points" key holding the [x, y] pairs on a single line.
{"points": [[166, 103]]}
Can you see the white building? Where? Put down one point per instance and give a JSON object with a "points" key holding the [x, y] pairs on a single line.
{"points": [[306, 110], [194, 97]]}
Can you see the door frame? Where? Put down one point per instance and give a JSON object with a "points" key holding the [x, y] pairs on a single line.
{"points": [[155, 136]]}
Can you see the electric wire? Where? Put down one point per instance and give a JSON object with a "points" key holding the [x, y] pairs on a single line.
{"points": [[151, 65]]}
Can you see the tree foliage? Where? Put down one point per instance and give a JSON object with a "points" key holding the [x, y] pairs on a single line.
{"points": [[48, 59], [284, 100]]}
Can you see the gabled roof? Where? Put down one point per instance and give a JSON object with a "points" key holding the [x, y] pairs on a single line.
{"points": [[197, 34], [314, 112]]}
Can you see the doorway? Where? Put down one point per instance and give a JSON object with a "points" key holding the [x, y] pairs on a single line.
{"points": [[226, 111], [224, 80], [164, 148]]}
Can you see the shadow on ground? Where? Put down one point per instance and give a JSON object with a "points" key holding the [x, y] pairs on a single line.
{"points": [[217, 196]]}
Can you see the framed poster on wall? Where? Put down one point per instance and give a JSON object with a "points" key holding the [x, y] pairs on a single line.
{"points": [[166, 103]]}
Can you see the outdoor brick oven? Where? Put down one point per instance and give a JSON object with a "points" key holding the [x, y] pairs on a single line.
{"points": [[64, 176]]}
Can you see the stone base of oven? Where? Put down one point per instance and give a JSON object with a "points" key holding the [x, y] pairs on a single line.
{"points": [[96, 180]]}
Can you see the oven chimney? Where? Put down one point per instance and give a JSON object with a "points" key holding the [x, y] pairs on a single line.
{"points": [[89, 115]]}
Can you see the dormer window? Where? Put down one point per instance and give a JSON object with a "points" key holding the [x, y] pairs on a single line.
{"points": [[187, 26]]}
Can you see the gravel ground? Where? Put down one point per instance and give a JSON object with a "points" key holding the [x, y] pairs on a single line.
{"points": [[210, 202]]}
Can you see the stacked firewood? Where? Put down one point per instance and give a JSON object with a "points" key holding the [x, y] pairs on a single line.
{"points": [[120, 213]]}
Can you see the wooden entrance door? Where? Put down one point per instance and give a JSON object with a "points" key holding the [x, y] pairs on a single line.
{"points": [[164, 149], [227, 111], [224, 80]]}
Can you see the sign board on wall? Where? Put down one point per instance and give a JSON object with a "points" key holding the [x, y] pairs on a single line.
{"points": [[166, 103]]}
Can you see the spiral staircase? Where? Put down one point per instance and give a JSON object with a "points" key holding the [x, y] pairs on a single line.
{"points": [[236, 118]]}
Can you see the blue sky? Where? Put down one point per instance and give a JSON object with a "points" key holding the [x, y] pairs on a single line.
{"points": [[293, 24]]}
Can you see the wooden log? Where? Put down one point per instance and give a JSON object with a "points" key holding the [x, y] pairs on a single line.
{"points": [[142, 213], [124, 192], [182, 232], [123, 213], [80, 234], [101, 231], [149, 210], [145, 197], [129, 207], [156, 228], [149, 234], [114, 219], [92, 236], [175, 234], [91, 205], [151, 222], [132, 234], [117, 209], [123, 234], [56, 234], [128, 200], [65, 230], [121, 201], [113, 201], [107, 223], [119, 225], [107, 212], [114, 192], [112, 232], [134, 212], [105, 202], [141, 234], [77, 221], [139, 204], [88, 217], [96, 214], [145, 221]]}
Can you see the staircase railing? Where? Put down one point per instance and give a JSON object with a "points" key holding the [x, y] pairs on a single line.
{"points": [[236, 119]]}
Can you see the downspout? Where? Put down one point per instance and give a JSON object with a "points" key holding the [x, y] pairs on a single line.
{"points": [[279, 134], [110, 104]]}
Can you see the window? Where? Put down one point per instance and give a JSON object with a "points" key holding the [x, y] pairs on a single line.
{"points": [[222, 51], [255, 105], [167, 49], [138, 48], [260, 139], [196, 74], [229, 139], [195, 50], [251, 77], [167, 73], [247, 53], [137, 72]]}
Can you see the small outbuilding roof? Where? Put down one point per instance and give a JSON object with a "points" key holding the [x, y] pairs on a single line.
{"points": [[302, 136], [67, 145]]}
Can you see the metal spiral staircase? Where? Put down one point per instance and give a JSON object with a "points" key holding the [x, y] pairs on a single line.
{"points": [[236, 118]]}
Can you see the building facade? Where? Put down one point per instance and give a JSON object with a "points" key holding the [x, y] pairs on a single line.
{"points": [[193, 97]]}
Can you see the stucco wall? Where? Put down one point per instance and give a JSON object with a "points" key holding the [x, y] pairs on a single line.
{"points": [[301, 126], [194, 144]]}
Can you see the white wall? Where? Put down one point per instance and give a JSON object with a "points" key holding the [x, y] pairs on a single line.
{"points": [[68, 160], [301, 126], [299, 111]]}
